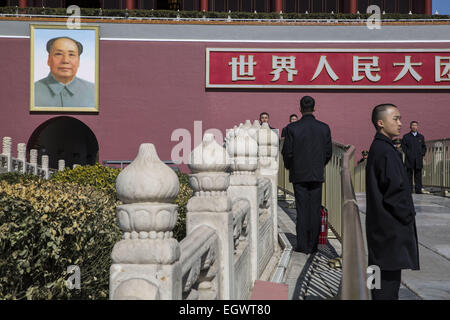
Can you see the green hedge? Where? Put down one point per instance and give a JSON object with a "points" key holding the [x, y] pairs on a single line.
{"points": [[45, 226], [104, 179], [211, 14], [101, 177]]}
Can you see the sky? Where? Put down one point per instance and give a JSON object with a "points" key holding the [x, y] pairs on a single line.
{"points": [[442, 6]]}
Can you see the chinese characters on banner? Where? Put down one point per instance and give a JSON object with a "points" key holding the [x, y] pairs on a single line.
{"points": [[328, 68]]}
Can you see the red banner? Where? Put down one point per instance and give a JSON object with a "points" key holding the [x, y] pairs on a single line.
{"points": [[328, 68]]}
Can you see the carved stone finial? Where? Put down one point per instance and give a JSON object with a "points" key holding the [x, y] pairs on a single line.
{"points": [[21, 151], [7, 143], [44, 162], [244, 151], [33, 156], [266, 137], [208, 156], [147, 179], [268, 142], [61, 165], [247, 124]]}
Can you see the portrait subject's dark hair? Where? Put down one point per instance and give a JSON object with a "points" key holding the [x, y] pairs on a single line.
{"points": [[414, 121], [51, 41], [293, 115], [263, 113], [378, 111], [307, 104]]}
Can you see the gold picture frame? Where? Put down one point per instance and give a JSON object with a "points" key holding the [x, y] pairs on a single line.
{"points": [[66, 86]]}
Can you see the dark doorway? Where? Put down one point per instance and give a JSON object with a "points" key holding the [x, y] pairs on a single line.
{"points": [[65, 138], [169, 4], [84, 3]]}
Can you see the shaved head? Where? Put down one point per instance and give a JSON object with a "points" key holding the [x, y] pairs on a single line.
{"points": [[379, 113]]}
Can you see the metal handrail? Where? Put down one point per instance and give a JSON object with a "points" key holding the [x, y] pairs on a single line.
{"points": [[359, 179], [436, 164], [354, 264]]}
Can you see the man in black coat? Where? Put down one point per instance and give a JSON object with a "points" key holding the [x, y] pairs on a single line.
{"points": [[292, 118], [307, 149], [413, 145], [390, 217]]}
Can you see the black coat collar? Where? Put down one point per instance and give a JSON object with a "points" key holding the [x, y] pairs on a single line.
{"points": [[380, 136], [307, 116]]}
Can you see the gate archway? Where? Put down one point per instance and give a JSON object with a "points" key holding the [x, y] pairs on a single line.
{"points": [[65, 138]]}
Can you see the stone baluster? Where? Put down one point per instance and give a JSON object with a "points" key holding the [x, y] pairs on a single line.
{"points": [[61, 165], [33, 160], [212, 207], [22, 156], [243, 150], [146, 261], [6, 151], [268, 150], [44, 166]]}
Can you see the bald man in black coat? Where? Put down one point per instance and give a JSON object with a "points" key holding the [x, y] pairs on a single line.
{"points": [[413, 145], [390, 218]]}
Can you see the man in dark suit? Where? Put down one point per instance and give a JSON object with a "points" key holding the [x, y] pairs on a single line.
{"points": [[292, 118], [307, 149], [413, 145], [390, 218]]}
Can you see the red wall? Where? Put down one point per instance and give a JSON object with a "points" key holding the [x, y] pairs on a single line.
{"points": [[149, 89]]}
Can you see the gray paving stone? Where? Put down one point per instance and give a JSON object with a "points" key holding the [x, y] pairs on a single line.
{"points": [[432, 281]]}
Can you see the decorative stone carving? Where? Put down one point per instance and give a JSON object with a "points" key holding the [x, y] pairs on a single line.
{"points": [[268, 149], [21, 151], [264, 193], [208, 156], [198, 260], [137, 289], [210, 207], [44, 162], [268, 145], [208, 162], [6, 147], [243, 150], [146, 219], [142, 217], [147, 179], [61, 165], [33, 157], [241, 211]]}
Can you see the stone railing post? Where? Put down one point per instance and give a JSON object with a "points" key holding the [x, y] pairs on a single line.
{"points": [[33, 160], [243, 151], [146, 262], [22, 156], [44, 166], [268, 142], [61, 165], [211, 206], [6, 150]]}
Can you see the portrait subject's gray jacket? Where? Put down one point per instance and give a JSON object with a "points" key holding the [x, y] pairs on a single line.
{"points": [[49, 92]]}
